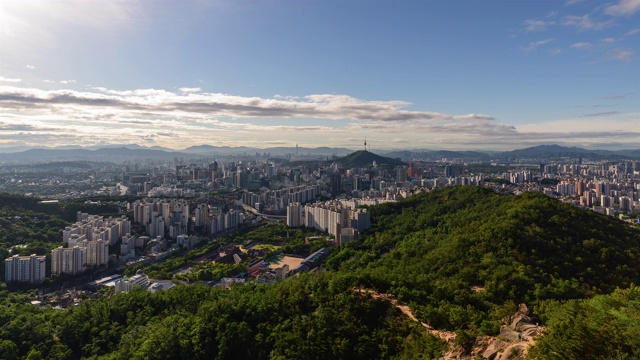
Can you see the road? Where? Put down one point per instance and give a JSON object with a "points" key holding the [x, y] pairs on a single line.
{"points": [[266, 216]]}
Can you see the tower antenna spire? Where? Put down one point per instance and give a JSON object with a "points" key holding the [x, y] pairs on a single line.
{"points": [[365, 143]]}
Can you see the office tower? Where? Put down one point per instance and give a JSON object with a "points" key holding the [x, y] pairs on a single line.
{"points": [[401, 174]]}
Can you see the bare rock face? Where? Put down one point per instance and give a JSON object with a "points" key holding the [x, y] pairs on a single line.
{"points": [[516, 335], [513, 351], [522, 320], [524, 309], [494, 346], [509, 333], [529, 331]]}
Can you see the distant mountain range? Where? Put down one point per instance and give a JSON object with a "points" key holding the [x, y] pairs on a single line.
{"points": [[437, 154], [199, 149], [104, 154], [546, 152], [130, 152], [208, 150], [558, 152]]}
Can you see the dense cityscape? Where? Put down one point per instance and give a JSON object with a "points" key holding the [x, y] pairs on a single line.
{"points": [[182, 202], [223, 179]]}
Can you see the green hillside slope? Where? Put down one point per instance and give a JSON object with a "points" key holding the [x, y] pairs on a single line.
{"points": [[462, 254], [462, 258], [363, 158]]}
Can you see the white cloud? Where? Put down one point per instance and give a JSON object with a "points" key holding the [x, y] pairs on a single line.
{"points": [[64, 82], [30, 67], [555, 51], [632, 32], [585, 23], [621, 55], [623, 8], [572, 2], [4, 79], [190, 90], [155, 116], [536, 44], [581, 45], [536, 25], [609, 40], [165, 103], [593, 124]]}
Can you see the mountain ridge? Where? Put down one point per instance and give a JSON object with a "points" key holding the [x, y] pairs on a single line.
{"points": [[128, 151]]}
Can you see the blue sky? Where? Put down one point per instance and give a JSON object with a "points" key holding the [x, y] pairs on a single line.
{"points": [[405, 74]]}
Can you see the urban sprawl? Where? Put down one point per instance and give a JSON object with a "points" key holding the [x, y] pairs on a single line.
{"points": [[185, 202]]}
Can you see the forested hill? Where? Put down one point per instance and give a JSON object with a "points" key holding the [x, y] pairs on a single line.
{"points": [[521, 248], [462, 258], [364, 158]]}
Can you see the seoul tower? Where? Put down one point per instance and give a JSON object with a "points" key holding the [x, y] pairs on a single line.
{"points": [[365, 143]]}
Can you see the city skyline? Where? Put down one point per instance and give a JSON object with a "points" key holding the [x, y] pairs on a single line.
{"points": [[442, 75]]}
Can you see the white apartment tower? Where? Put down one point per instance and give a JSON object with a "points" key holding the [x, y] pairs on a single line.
{"points": [[97, 252], [68, 261], [294, 215], [29, 269], [626, 204]]}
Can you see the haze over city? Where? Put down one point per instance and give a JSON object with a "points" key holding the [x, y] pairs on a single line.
{"points": [[492, 75]]}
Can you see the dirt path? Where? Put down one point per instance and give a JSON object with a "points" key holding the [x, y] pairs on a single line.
{"points": [[505, 346], [447, 336]]}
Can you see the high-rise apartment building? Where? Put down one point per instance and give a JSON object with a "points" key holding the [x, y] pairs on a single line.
{"points": [[626, 204], [334, 216], [294, 215], [68, 261], [97, 252], [29, 269]]}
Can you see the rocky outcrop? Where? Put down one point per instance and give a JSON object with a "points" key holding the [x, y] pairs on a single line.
{"points": [[517, 334]]}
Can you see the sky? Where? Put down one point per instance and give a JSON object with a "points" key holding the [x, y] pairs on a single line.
{"points": [[434, 74]]}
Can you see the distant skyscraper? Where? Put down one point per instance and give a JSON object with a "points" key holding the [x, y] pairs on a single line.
{"points": [[413, 172], [401, 174], [452, 170], [336, 183]]}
